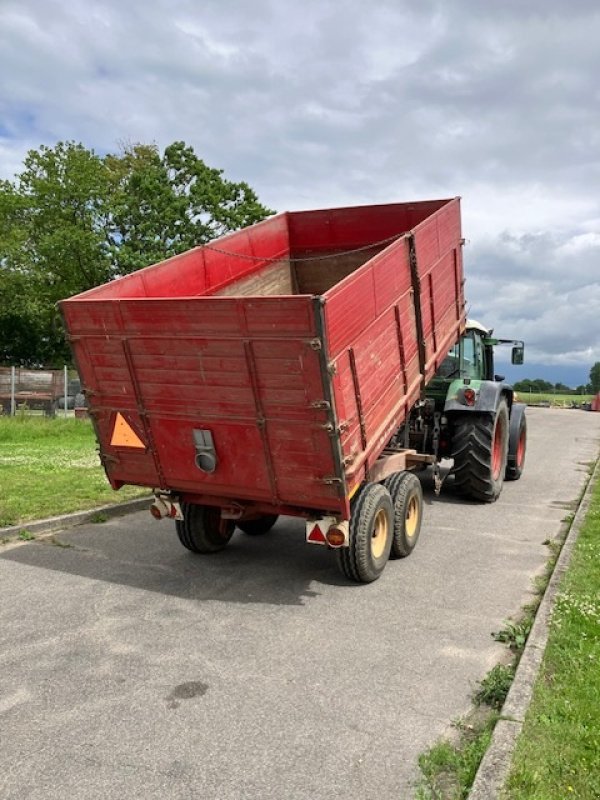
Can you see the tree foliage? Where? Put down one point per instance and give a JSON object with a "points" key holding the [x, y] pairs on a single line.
{"points": [[595, 377], [536, 385], [540, 386], [73, 220]]}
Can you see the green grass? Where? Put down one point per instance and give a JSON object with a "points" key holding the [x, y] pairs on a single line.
{"points": [[558, 752], [49, 467], [493, 689], [449, 770], [554, 399]]}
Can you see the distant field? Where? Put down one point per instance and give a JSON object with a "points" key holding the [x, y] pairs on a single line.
{"points": [[554, 399], [49, 467]]}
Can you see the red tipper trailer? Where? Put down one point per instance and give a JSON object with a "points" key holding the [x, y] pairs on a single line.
{"points": [[267, 371]]}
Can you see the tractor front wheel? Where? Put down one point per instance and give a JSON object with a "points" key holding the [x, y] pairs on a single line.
{"points": [[479, 449], [202, 530]]}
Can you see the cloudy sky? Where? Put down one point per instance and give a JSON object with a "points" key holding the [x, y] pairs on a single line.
{"points": [[325, 103]]}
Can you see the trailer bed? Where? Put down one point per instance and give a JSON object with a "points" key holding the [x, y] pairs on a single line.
{"points": [[291, 350]]}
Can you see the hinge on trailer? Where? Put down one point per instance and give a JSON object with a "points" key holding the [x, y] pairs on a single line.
{"points": [[325, 405], [107, 458], [316, 344], [332, 368], [330, 481]]}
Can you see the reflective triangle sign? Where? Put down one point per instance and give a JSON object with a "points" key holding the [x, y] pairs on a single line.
{"points": [[124, 435]]}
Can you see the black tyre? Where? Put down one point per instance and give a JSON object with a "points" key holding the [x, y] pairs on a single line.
{"points": [[517, 443], [479, 449], [407, 497], [201, 530], [371, 533], [256, 527]]}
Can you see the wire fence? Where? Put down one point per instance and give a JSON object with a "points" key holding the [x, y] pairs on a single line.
{"points": [[49, 391]]}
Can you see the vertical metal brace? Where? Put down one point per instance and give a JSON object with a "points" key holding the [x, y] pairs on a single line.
{"points": [[13, 379], [261, 421], [416, 285], [65, 387], [336, 444], [357, 395]]}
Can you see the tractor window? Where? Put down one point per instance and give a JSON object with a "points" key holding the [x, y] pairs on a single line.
{"points": [[465, 359], [472, 356], [450, 366]]}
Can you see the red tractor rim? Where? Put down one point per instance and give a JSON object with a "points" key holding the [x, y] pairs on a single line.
{"points": [[521, 449], [497, 449]]}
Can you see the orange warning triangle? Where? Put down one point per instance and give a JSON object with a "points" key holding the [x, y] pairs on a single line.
{"points": [[124, 435]]}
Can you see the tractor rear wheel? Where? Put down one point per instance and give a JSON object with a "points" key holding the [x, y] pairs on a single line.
{"points": [[370, 534], [407, 497], [202, 530], [258, 526], [479, 449]]}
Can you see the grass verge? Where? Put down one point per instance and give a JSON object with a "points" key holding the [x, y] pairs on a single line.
{"points": [[557, 753], [50, 467], [449, 768]]}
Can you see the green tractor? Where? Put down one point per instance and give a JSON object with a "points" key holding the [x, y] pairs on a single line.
{"points": [[469, 414]]}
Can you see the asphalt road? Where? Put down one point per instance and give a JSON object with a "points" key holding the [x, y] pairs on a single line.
{"points": [[133, 669]]}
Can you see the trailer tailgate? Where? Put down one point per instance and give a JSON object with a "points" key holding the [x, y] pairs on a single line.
{"points": [[249, 370]]}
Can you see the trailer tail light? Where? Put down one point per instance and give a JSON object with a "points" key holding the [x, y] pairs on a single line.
{"points": [[163, 506], [470, 396], [337, 536], [329, 531]]}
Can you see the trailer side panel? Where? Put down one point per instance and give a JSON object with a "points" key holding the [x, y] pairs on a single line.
{"points": [[389, 325]]}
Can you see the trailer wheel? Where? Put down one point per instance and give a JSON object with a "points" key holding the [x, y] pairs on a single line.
{"points": [[407, 497], [201, 530], [370, 534], [256, 527], [479, 449], [517, 444]]}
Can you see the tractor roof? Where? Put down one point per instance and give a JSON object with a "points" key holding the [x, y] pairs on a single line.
{"points": [[473, 325]]}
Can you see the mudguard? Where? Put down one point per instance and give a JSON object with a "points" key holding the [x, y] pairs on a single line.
{"points": [[517, 412], [488, 395]]}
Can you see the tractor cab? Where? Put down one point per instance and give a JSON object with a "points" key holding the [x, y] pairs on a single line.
{"points": [[469, 414], [472, 359]]}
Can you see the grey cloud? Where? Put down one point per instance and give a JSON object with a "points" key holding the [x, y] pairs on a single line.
{"points": [[323, 103]]}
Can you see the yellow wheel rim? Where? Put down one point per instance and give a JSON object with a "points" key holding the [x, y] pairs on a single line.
{"points": [[411, 520], [381, 532]]}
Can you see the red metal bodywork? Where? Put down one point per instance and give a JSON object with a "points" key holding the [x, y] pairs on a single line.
{"points": [[301, 389]]}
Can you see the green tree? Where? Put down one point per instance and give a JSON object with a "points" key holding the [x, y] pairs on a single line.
{"points": [[73, 220], [595, 377], [538, 385], [164, 205]]}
